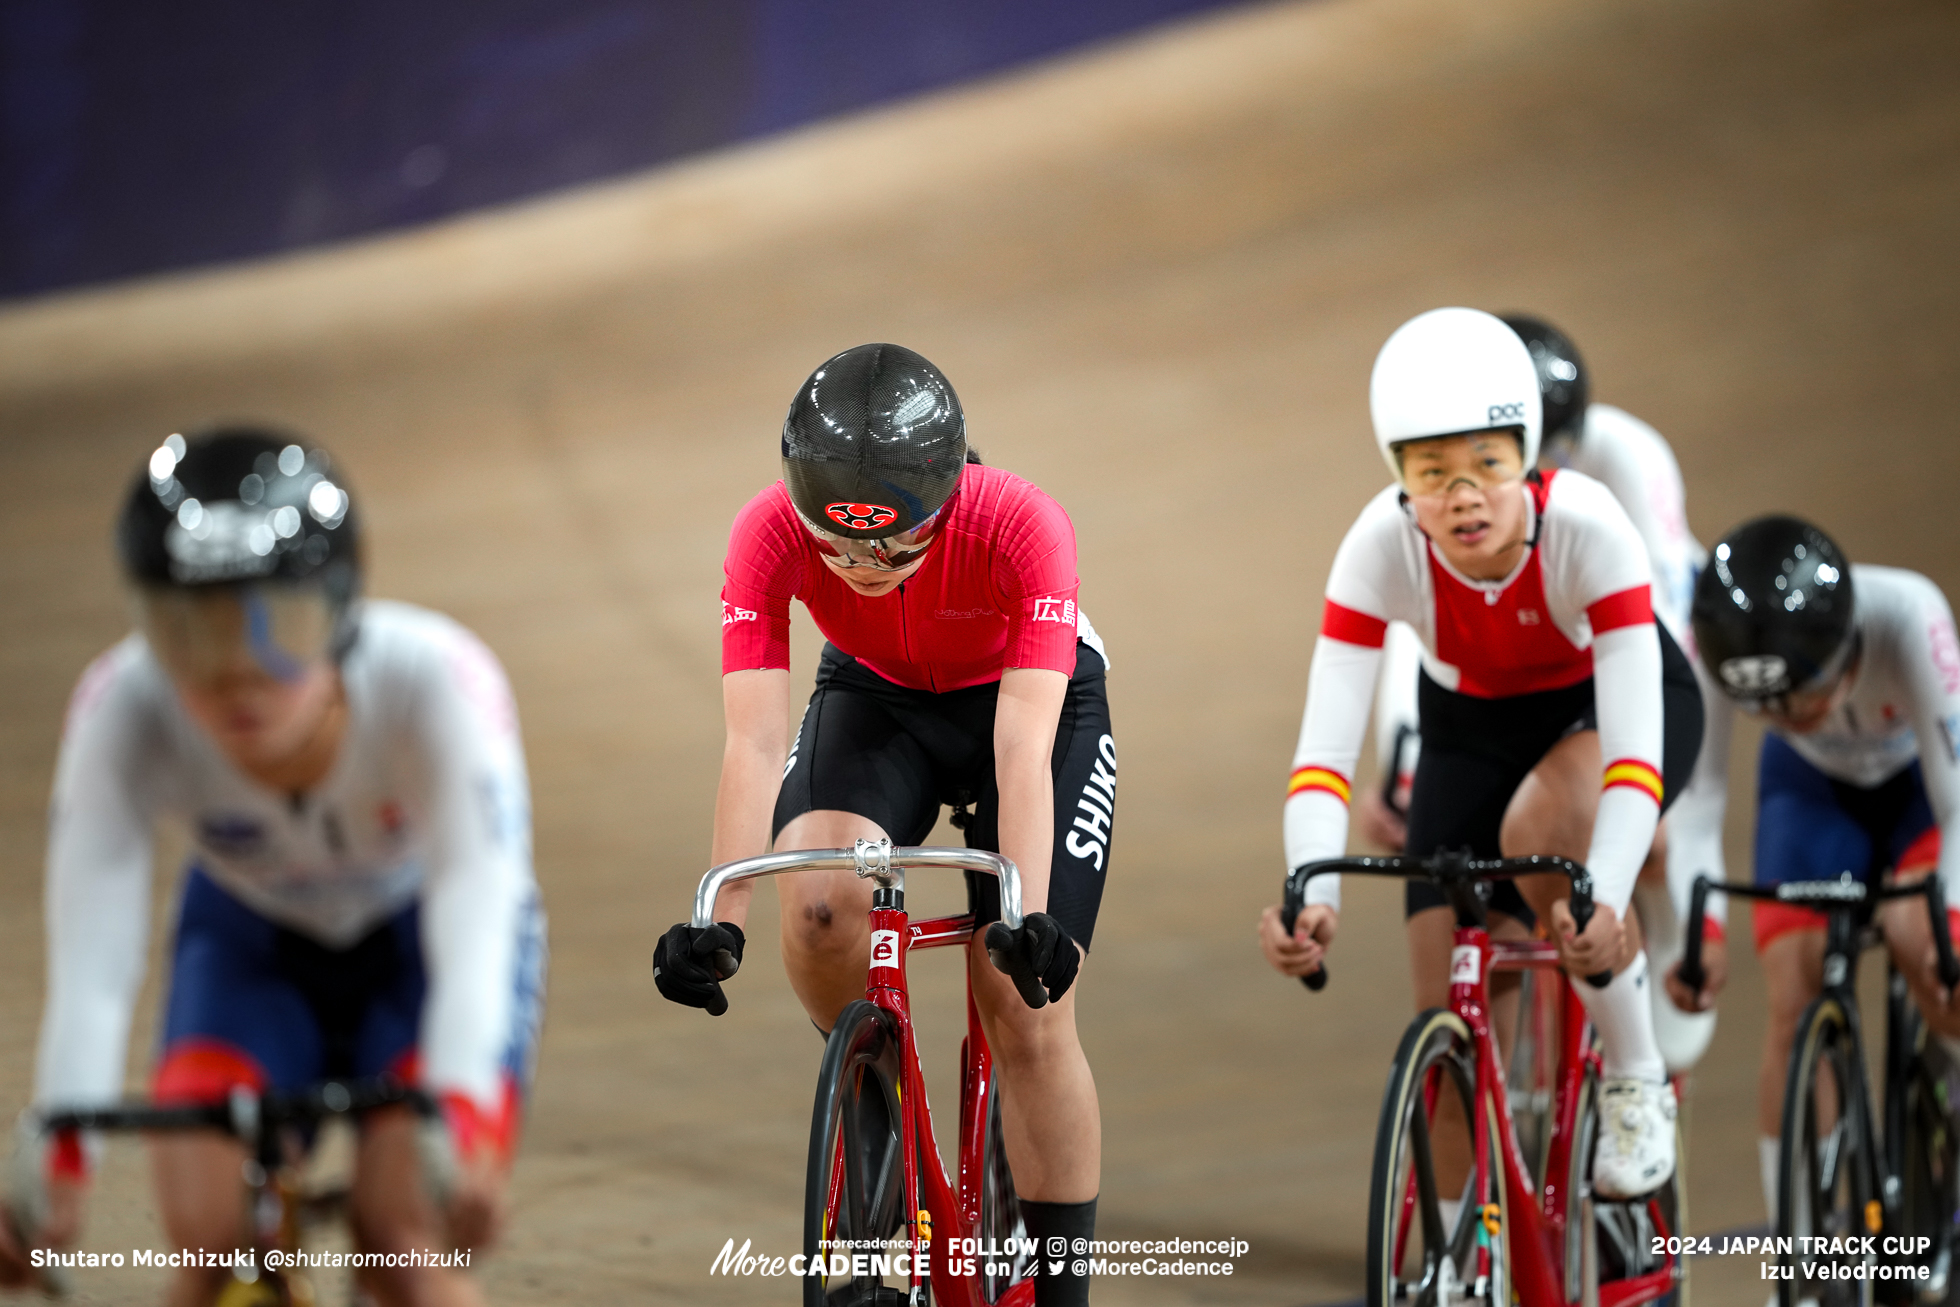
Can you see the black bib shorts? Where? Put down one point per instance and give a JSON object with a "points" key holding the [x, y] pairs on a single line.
{"points": [[1476, 752], [893, 755]]}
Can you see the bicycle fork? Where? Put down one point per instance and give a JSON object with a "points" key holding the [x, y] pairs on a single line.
{"points": [[886, 989]]}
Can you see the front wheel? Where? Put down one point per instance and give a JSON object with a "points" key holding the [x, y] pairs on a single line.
{"points": [[1000, 1211], [854, 1200], [1825, 1166], [1419, 1252], [1929, 1155]]}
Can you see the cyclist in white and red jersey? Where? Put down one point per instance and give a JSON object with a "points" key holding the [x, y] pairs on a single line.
{"points": [[1556, 716], [359, 899], [1632, 460], [1856, 672], [959, 670]]}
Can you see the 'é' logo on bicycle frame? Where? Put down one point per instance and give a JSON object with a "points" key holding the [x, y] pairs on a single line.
{"points": [[884, 948]]}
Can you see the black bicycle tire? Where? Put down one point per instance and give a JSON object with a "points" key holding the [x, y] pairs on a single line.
{"points": [[1824, 1014], [863, 1039], [1431, 1036], [1925, 1122]]}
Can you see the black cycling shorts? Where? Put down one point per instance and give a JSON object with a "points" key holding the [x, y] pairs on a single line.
{"points": [[1476, 752], [893, 755]]}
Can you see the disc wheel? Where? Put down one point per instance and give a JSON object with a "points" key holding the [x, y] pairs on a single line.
{"points": [[854, 1196], [1824, 1171], [1000, 1206], [1415, 1258]]}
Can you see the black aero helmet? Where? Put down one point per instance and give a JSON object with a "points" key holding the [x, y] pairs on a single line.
{"points": [[244, 547], [1563, 386], [238, 504], [1773, 609], [874, 443]]}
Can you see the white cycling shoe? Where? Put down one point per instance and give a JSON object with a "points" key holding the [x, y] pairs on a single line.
{"points": [[1636, 1138]]}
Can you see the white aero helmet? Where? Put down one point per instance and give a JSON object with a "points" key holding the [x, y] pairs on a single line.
{"points": [[1448, 372]]}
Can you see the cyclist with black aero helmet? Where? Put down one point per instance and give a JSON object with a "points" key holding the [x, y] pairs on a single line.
{"points": [[960, 669], [1557, 718], [1855, 670], [1635, 462], [359, 898]]}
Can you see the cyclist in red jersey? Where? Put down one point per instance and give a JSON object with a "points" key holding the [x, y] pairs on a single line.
{"points": [[1556, 716], [959, 670]]}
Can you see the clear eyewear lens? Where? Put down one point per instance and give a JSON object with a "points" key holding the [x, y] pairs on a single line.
{"points": [[206, 635]]}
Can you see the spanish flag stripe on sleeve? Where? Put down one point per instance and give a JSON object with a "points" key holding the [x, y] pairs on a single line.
{"points": [[1634, 774], [1632, 606], [1339, 622], [1318, 778]]}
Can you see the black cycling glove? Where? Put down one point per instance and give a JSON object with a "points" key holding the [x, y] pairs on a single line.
{"points": [[1039, 958], [689, 964]]}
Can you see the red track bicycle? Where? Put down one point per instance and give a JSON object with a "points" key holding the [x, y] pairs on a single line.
{"points": [[1527, 1228], [878, 1203]]}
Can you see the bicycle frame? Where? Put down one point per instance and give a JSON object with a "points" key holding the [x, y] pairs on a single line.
{"points": [[257, 1119], [1539, 1216], [1849, 905], [949, 1212]]}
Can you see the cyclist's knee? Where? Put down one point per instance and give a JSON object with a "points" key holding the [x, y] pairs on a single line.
{"points": [[1031, 1037], [819, 929], [199, 1194], [1792, 977]]}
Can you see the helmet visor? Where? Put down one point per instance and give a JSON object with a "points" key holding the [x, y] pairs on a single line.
{"points": [[206, 635], [885, 554]]}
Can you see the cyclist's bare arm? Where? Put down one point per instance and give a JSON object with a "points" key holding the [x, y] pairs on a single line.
{"points": [[1029, 707], [755, 711]]}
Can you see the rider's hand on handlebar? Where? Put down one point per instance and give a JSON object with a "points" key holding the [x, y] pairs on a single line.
{"points": [[1595, 950], [1039, 958], [689, 964], [1303, 950], [1715, 962]]}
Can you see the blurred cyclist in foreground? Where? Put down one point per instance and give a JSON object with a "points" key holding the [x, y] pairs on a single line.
{"points": [[359, 898]]}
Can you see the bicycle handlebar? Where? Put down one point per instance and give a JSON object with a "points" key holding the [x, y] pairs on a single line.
{"points": [[872, 859], [1844, 894], [1443, 867], [246, 1114]]}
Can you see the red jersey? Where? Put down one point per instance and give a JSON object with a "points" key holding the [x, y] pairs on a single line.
{"points": [[997, 590]]}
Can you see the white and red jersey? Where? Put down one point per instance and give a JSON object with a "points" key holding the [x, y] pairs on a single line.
{"points": [[427, 799], [1635, 462], [1576, 606], [997, 590], [1904, 704]]}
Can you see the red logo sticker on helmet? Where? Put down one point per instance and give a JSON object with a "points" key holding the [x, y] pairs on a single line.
{"points": [[861, 517]]}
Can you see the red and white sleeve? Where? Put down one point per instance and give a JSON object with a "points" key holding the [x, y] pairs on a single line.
{"points": [[1363, 590]]}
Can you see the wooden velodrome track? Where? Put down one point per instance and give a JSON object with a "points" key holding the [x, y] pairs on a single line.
{"points": [[1158, 274]]}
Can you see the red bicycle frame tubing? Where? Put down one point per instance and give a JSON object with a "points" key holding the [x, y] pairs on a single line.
{"points": [[948, 1214], [1538, 1235]]}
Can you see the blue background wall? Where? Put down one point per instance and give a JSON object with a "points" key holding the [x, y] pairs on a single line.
{"points": [[138, 137]]}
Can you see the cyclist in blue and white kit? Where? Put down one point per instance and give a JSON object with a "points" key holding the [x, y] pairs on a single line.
{"points": [[1634, 461], [1855, 670], [359, 899]]}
